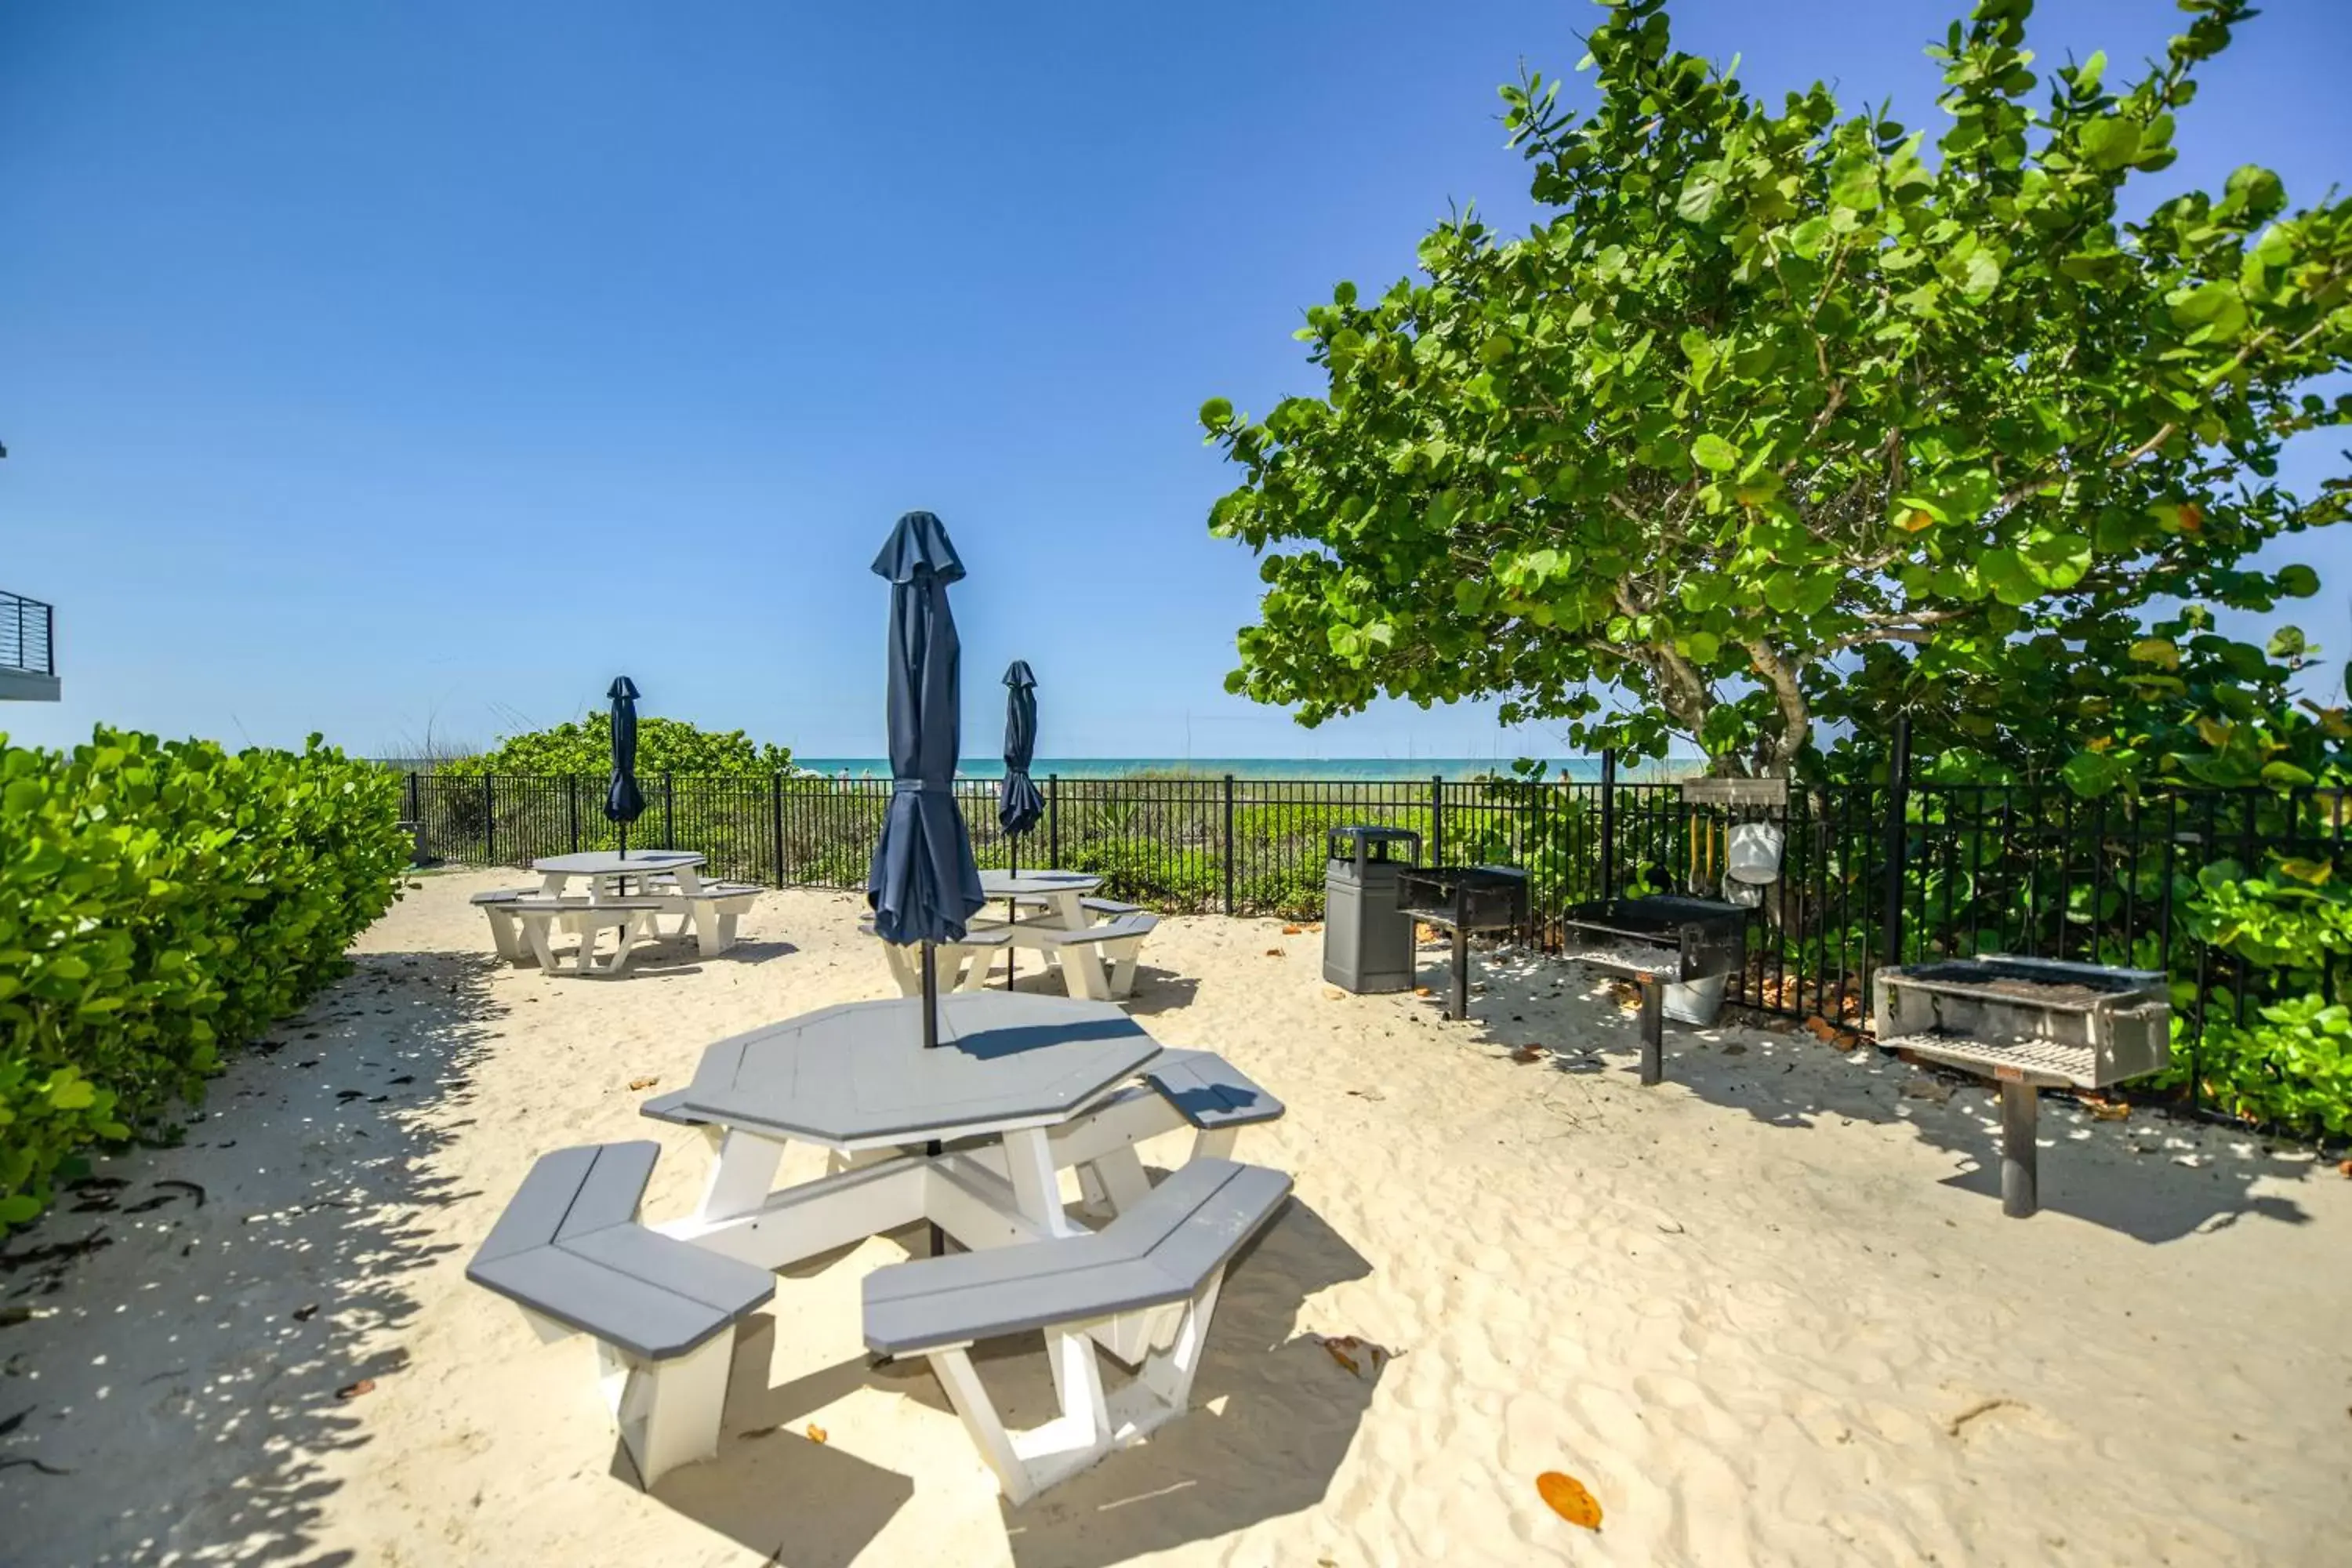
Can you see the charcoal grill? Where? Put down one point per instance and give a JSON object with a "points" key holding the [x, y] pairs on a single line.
{"points": [[1463, 899], [1657, 941], [2029, 1024]]}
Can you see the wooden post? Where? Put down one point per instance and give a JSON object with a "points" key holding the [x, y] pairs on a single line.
{"points": [[1437, 819]]}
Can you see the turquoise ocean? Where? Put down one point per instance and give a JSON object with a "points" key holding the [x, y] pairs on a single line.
{"points": [[1368, 768]]}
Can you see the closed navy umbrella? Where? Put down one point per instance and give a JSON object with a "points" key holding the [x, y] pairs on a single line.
{"points": [[1018, 803], [924, 884], [623, 802]]}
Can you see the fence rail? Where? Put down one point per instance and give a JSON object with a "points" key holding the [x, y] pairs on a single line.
{"points": [[1870, 874]]}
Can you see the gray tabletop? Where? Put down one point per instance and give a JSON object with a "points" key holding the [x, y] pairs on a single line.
{"points": [[1013, 884], [859, 1074], [607, 863]]}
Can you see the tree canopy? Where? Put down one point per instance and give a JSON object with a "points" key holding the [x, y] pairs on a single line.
{"points": [[1786, 417]]}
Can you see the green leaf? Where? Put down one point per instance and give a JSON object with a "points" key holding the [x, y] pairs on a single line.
{"points": [[2110, 143], [18, 1208], [2296, 580], [1712, 452], [1700, 193], [1216, 413], [2092, 774]]}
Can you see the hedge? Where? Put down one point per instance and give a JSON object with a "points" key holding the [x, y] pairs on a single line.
{"points": [[161, 904]]}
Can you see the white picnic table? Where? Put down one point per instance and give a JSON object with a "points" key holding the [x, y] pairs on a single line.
{"points": [[971, 1135], [1063, 893], [1021, 1088], [604, 870], [709, 909]]}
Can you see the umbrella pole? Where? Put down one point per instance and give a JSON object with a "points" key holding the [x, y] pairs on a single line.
{"points": [[931, 1041]]}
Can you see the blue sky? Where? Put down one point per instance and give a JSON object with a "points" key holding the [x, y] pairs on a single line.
{"points": [[379, 369]]}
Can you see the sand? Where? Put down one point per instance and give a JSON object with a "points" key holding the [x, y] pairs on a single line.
{"points": [[1769, 1312]]}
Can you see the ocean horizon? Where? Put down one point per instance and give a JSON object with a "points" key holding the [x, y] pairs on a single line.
{"points": [[1370, 768]]}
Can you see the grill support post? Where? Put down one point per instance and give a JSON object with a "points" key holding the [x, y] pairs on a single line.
{"points": [[1460, 1009], [2020, 1112], [1653, 1028]]}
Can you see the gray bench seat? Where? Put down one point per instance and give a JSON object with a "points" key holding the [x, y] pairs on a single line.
{"points": [[1212, 1094], [1147, 1282], [957, 965], [570, 1252], [1097, 962], [1159, 1252], [1109, 908]]}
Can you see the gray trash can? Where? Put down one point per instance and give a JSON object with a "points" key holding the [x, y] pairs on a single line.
{"points": [[1366, 943]]}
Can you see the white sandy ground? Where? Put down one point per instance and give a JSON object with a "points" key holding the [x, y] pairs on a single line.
{"points": [[1769, 1312]]}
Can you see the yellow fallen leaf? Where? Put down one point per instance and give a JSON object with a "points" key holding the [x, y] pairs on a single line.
{"points": [[1342, 1357], [353, 1390], [642, 1082], [2107, 1110], [1565, 1496], [1421, 991], [815, 1433], [1526, 1054], [1273, 952], [1290, 930]]}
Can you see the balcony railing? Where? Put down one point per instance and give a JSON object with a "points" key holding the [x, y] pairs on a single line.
{"points": [[28, 641]]}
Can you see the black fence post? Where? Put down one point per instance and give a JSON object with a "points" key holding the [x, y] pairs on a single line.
{"points": [[670, 809], [1053, 819], [1229, 843], [776, 821], [1608, 823], [1898, 839], [572, 807], [489, 822], [1437, 819]]}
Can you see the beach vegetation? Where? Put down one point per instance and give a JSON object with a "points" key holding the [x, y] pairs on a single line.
{"points": [[1787, 419], [162, 903]]}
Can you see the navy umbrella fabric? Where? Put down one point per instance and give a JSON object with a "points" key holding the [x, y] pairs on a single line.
{"points": [[1018, 805], [924, 884], [623, 802]]}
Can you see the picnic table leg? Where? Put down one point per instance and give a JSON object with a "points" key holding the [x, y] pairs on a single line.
{"points": [[552, 884], [535, 931], [2021, 1179], [1653, 1025], [741, 1177]]}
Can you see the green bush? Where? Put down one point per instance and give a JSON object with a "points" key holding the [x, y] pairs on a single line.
{"points": [[159, 903], [664, 746]]}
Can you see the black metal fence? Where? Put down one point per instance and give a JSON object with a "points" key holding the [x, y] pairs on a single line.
{"points": [[1869, 873]]}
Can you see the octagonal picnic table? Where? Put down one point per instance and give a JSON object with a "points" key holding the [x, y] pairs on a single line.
{"points": [[1019, 1088], [603, 868], [1063, 893]]}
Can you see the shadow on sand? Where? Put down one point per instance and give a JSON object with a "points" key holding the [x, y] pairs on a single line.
{"points": [[1265, 1404], [302, 1191], [1790, 1079]]}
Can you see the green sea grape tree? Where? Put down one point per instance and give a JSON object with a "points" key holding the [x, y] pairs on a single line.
{"points": [[585, 747], [1788, 416]]}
